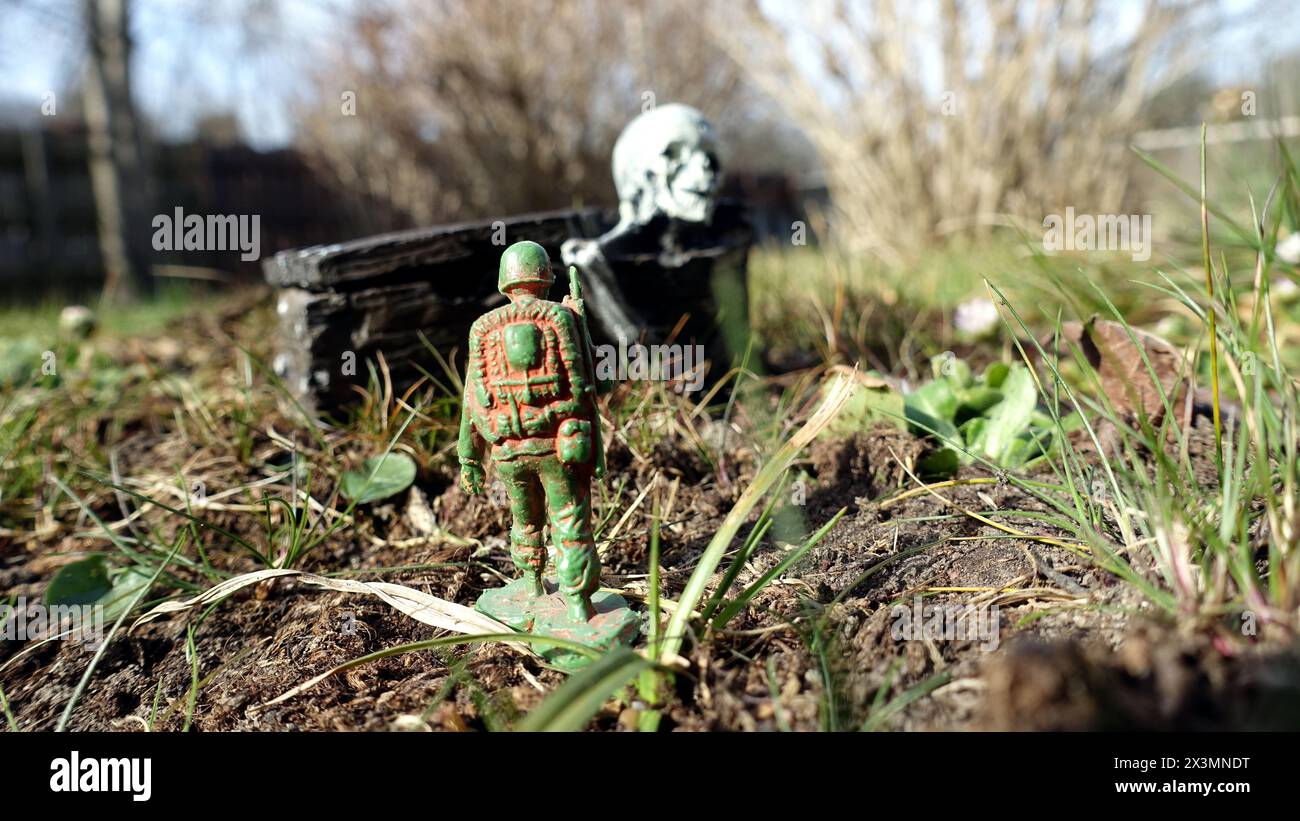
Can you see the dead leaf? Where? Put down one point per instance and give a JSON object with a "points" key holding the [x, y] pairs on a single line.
{"points": [[430, 610], [1124, 374]]}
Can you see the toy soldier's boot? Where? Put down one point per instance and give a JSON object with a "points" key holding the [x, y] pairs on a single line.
{"points": [[568, 498], [529, 554], [527, 508]]}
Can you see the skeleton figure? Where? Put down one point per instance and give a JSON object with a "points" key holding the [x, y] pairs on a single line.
{"points": [[666, 162], [667, 172]]}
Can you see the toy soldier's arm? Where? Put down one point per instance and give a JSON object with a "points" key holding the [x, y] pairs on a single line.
{"points": [[471, 446], [470, 450]]}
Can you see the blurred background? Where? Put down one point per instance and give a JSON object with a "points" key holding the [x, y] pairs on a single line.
{"points": [[899, 159], [892, 130]]}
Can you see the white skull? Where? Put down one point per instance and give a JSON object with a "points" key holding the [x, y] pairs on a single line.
{"points": [[666, 162]]}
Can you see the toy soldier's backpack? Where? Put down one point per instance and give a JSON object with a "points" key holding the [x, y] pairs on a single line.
{"points": [[527, 369]]}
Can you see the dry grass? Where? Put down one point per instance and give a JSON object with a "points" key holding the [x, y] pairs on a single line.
{"points": [[909, 157], [469, 109]]}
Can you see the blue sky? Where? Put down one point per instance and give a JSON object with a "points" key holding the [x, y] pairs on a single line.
{"points": [[191, 59]]}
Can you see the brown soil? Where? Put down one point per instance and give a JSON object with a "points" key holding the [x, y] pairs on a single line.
{"points": [[1074, 647]]}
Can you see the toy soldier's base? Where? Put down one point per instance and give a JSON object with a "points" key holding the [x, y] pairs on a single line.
{"points": [[515, 605]]}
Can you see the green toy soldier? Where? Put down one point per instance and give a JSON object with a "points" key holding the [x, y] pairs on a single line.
{"points": [[530, 401]]}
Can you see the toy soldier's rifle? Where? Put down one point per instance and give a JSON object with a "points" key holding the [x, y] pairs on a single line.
{"points": [[580, 308]]}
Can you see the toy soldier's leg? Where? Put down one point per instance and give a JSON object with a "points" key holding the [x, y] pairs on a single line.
{"points": [[568, 499], [528, 509]]}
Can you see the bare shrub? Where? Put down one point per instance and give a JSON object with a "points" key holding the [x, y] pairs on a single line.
{"points": [[470, 109], [940, 115]]}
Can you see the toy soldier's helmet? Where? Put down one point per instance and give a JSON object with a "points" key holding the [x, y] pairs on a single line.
{"points": [[524, 263]]}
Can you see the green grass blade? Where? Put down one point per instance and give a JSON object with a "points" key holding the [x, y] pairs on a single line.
{"points": [[8, 713], [742, 601], [878, 718], [764, 481], [571, 707]]}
